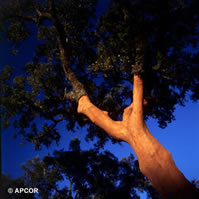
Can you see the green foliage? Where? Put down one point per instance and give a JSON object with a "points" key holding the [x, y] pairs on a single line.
{"points": [[103, 53], [86, 173], [166, 29], [17, 32]]}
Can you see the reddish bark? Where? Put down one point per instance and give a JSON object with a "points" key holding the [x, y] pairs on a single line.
{"points": [[155, 162]]}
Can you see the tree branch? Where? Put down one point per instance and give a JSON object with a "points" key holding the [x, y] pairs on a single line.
{"points": [[115, 129], [78, 88], [133, 115], [43, 14], [138, 100], [36, 20], [70, 186]]}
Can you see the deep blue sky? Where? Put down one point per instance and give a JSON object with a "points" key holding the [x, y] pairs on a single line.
{"points": [[181, 137]]}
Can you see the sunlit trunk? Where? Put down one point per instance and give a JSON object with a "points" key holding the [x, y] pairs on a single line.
{"points": [[155, 162]]}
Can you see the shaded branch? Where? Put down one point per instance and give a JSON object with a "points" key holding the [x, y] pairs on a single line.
{"points": [[70, 187], [43, 14], [78, 88], [140, 48]]}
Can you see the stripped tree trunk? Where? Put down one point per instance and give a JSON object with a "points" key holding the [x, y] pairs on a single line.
{"points": [[155, 162]]}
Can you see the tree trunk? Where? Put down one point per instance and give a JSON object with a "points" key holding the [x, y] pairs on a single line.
{"points": [[155, 162]]}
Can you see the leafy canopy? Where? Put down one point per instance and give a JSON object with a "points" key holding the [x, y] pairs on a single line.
{"points": [[100, 175], [101, 52]]}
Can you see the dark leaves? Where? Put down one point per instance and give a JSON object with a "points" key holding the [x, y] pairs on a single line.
{"points": [[86, 173], [102, 54]]}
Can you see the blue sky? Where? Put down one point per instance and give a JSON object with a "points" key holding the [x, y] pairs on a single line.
{"points": [[181, 137]]}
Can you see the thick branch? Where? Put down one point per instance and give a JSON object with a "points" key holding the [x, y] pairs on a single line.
{"points": [[114, 128], [138, 100], [155, 162], [140, 48], [40, 14], [43, 14], [78, 88]]}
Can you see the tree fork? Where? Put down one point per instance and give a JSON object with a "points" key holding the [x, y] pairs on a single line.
{"points": [[155, 162]]}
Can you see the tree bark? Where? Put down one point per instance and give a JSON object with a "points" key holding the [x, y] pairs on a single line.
{"points": [[155, 162], [77, 87]]}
